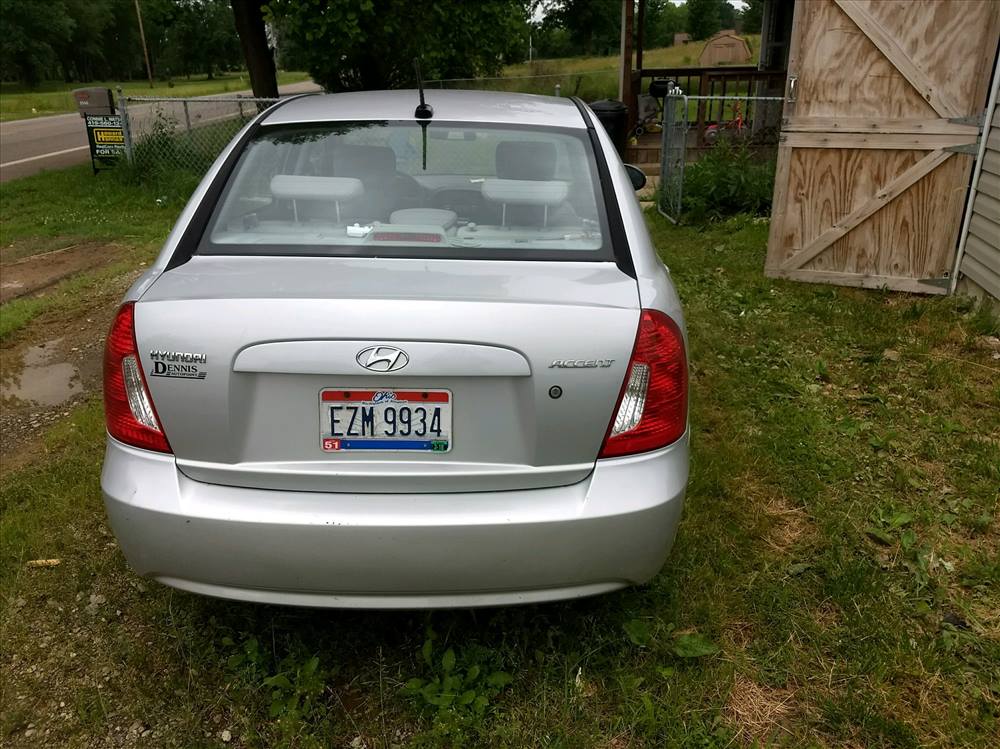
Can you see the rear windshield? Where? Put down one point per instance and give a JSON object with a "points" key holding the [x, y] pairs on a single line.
{"points": [[403, 189]]}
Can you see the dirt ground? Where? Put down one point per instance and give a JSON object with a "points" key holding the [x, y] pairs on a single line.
{"points": [[55, 363], [29, 275]]}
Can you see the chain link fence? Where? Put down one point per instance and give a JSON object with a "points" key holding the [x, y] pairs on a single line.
{"points": [[694, 124], [169, 135], [183, 134]]}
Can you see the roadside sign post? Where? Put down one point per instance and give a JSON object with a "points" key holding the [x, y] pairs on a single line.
{"points": [[106, 138], [105, 131]]}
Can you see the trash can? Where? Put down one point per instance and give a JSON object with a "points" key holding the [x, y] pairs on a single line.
{"points": [[614, 116]]}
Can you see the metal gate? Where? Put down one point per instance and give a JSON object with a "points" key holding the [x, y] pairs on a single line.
{"points": [[694, 124]]}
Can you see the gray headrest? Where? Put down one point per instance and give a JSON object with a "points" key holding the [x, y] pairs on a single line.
{"points": [[300, 187], [525, 191]]}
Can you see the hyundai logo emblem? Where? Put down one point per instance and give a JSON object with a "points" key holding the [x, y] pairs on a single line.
{"points": [[382, 358]]}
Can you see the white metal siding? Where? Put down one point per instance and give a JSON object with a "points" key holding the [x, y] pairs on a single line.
{"points": [[981, 259]]}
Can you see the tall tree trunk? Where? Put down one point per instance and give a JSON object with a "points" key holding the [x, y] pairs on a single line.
{"points": [[253, 40]]}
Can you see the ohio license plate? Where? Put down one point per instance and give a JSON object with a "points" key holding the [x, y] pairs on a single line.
{"points": [[386, 420]]}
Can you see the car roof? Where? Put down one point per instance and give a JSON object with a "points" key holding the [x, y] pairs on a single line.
{"points": [[449, 106]]}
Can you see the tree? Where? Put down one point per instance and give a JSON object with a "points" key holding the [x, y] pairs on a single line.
{"points": [[81, 54], [370, 44], [594, 26], [201, 38], [85, 40], [703, 18], [663, 20], [727, 15], [33, 31], [752, 20], [551, 40], [256, 51]]}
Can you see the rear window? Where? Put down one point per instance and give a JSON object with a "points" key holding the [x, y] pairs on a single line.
{"points": [[403, 189]]}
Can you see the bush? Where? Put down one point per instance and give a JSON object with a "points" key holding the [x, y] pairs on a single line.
{"points": [[728, 179]]}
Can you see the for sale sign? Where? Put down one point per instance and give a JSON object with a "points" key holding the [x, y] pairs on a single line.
{"points": [[106, 138]]}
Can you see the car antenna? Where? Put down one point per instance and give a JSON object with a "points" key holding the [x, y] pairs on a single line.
{"points": [[424, 111]]}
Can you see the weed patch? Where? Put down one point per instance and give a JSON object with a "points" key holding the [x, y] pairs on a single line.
{"points": [[728, 179]]}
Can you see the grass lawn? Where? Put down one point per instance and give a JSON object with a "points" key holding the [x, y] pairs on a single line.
{"points": [[835, 581], [590, 77], [54, 97], [61, 208]]}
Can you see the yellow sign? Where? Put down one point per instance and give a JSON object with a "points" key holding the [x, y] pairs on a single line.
{"points": [[103, 136], [106, 138]]}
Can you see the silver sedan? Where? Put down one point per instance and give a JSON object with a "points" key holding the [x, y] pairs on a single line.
{"points": [[402, 358]]}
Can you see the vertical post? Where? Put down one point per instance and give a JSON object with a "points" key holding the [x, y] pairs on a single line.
{"points": [[126, 126], [639, 40], [662, 203], [685, 115], [702, 92], [187, 116], [145, 50], [625, 78], [239, 100], [558, 90]]}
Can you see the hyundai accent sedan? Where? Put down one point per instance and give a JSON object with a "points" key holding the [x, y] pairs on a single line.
{"points": [[393, 357]]}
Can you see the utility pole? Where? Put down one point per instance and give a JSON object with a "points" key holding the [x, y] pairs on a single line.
{"points": [[145, 51]]}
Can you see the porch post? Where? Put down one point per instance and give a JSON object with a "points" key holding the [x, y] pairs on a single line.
{"points": [[640, 22], [625, 65]]}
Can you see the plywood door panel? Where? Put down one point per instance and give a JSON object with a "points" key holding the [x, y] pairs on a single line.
{"points": [[869, 188], [903, 239]]}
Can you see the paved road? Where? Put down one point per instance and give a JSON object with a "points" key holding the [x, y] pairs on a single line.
{"points": [[55, 142]]}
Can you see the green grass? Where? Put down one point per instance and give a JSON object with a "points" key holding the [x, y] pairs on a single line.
{"points": [[61, 208], [588, 77], [834, 580], [55, 97], [77, 203], [684, 55]]}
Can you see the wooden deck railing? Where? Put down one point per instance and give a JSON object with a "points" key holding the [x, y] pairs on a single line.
{"points": [[730, 80]]}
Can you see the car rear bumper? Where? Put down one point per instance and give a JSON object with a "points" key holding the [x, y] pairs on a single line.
{"points": [[613, 529]]}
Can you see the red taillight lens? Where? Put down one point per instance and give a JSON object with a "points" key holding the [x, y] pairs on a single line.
{"points": [[128, 409], [652, 407]]}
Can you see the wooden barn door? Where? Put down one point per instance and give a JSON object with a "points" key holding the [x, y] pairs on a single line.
{"points": [[884, 100]]}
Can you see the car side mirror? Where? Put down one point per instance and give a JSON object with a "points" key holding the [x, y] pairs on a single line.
{"points": [[637, 176]]}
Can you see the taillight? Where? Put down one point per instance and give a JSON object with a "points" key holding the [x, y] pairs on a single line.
{"points": [[128, 409], [652, 407]]}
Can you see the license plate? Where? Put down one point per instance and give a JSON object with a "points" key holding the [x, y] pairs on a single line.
{"points": [[385, 420]]}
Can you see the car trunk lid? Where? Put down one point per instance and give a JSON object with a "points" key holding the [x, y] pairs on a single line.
{"points": [[532, 355]]}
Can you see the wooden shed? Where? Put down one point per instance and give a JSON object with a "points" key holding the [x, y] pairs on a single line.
{"points": [[725, 49], [885, 104]]}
